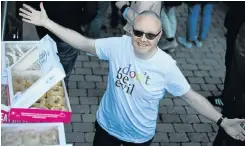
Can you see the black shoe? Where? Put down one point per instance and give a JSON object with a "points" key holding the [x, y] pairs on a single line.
{"points": [[216, 101]]}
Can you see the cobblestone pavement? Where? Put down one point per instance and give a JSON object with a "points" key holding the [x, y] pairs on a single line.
{"points": [[178, 124]]}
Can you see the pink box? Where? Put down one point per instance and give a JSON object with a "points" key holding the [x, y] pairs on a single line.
{"points": [[31, 115]]}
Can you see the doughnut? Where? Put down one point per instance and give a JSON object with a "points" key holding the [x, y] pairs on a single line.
{"points": [[11, 139], [39, 105], [31, 138], [56, 91], [42, 99], [49, 137], [60, 108], [59, 84], [55, 101], [18, 84]]}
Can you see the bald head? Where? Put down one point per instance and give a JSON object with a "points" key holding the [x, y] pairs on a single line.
{"points": [[150, 14]]}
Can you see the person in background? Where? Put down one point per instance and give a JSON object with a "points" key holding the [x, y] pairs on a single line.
{"points": [[234, 91], [69, 14], [137, 7], [136, 82], [169, 24], [193, 13], [115, 16], [233, 21]]}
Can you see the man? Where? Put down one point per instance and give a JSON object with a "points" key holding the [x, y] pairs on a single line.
{"points": [[234, 93], [128, 110]]}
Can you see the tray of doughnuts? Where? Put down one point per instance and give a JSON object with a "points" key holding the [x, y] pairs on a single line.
{"points": [[54, 99], [33, 134]]}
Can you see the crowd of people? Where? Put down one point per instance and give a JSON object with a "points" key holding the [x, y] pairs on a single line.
{"points": [[140, 69]]}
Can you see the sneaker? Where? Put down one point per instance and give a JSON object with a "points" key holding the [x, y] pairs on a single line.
{"points": [[89, 54], [198, 43], [168, 45], [183, 42], [215, 101]]}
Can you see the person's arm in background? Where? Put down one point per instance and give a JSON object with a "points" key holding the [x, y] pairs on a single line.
{"points": [[129, 14], [69, 36]]}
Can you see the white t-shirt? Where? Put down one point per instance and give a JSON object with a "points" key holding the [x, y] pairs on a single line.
{"points": [[129, 107]]}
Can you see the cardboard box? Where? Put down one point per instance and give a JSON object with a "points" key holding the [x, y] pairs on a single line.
{"points": [[41, 67], [31, 115], [12, 51], [57, 138]]}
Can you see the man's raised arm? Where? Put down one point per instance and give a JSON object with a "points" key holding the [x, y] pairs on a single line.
{"points": [[69, 36]]}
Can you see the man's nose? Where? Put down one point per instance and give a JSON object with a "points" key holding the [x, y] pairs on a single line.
{"points": [[143, 38]]}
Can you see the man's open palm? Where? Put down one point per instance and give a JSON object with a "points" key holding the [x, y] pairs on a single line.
{"points": [[33, 16]]}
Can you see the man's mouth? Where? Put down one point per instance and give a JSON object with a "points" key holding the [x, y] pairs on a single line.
{"points": [[142, 45]]}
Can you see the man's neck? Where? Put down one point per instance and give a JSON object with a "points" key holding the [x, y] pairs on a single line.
{"points": [[147, 55]]}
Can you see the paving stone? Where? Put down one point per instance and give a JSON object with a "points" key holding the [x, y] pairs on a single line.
{"points": [[96, 92], [189, 118], [190, 110], [204, 119], [101, 85], [91, 64], [76, 118], [200, 137], [155, 144], [166, 102], [83, 127], [179, 101], [187, 73], [165, 128], [86, 85], [68, 127], [202, 127], [212, 136], [74, 100], [169, 144], [83, 144], [190, 67], [212, 80], [72, 84], [191, 144], [93, 78], [94, 109], [105, 78], [74, 137], [78, 64], [76, 78], [195, 87], [100, 71], [163, 110], [170, 118], [82, 58], [207, 144], [160, 137], [178, 137], [176, 110], [77, 92], [104, 64], [208, 87], [183, 128], [88, 117], [195, 80], [89, 100], [89, 137], [80, 109], [83, 71]]}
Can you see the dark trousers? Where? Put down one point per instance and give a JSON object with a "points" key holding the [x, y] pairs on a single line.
{"points": [[68, 56], [102, 138]]}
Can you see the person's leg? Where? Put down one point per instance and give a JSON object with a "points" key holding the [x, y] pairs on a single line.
{"points": [[206, 21], [173, 20], [95, 25], [68, 56], [148, 143], [102, 138], [193, 12]]}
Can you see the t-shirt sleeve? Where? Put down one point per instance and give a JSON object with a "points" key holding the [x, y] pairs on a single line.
{"points": [[107, 48], [176, 83]]}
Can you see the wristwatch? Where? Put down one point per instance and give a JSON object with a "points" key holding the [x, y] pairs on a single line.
{"points": [[220, 120]]}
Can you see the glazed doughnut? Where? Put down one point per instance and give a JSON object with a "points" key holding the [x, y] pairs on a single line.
{"points": [[56, 91], [42, 99], [60, 108], [49, 137], [31, 138], [11, 139], [39, 105], [59, 84], [18, 84], [55, 101]]}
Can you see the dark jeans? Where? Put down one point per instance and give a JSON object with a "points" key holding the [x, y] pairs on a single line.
{"points": [[102, 138], [68, 56]]}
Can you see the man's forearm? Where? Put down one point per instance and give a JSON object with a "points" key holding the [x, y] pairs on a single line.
{"points": [[202, 105], [71, 37]]}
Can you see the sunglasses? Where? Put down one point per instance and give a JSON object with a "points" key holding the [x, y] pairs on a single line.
{"points": [[149, 36]]}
